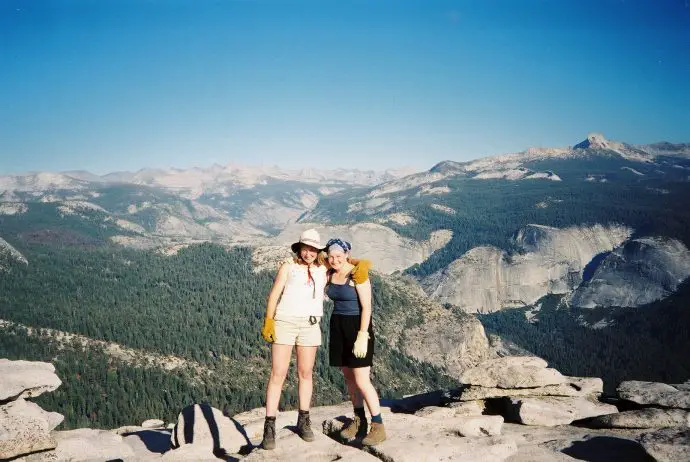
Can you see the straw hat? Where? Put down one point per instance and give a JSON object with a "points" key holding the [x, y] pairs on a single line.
{"points": [[309, 237]]}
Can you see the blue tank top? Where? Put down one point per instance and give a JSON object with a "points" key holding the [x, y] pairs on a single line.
{"points": [[344, 298]]}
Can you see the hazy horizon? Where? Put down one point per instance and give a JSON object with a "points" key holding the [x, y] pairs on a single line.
{"points": [[240, 164]]}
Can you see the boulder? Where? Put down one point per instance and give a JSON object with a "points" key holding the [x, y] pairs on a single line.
{"points": [[512, 372], [550, 411], [26, 379], [574, 386], [643, 418], [455, 409], [86, 444], [654, 394], [667, 444], [25, 428], [126, 429], [205, 426], [469, 407], [152, 423], [101, 444]]}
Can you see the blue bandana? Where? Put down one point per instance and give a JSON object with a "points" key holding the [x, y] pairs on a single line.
{"points": [[346, 246]]}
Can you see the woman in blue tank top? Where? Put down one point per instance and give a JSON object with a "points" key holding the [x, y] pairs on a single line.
{"points": [[351, 343]]}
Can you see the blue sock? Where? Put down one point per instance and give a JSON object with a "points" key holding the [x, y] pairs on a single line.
{"points": [[376, 419]]}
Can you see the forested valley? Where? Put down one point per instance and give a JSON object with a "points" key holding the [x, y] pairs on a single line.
{"points": [[204, 305]]}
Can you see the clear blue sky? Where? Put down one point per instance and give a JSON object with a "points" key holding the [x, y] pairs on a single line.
{"points": [[123, 84]]}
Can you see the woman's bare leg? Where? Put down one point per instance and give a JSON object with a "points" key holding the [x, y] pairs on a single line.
{"points": [[366, 389], [306, 356], [355, 395], [280, 363]]}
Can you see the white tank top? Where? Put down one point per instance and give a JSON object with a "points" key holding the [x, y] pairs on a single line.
{"points": [[301, 295]]}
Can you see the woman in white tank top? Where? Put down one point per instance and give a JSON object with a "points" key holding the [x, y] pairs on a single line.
{"points": [[293, 312]]}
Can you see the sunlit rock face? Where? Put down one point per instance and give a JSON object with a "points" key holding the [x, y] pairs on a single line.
{"points": [[552, 260], [640, 271]]}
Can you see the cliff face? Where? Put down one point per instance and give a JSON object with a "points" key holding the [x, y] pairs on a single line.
{"points": [[640, 271], [487, 279], [423, 329]]}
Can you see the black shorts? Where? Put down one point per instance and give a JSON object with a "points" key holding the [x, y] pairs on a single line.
{"points": [[342, 336]]}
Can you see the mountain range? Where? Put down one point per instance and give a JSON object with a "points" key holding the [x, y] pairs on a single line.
{"points": [[569, 253], [530, 222]]}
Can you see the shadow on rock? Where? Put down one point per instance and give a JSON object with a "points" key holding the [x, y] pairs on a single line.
{"points": [[155, 440], [412, 404], [607, 449], [248, 447], [333, 432]]}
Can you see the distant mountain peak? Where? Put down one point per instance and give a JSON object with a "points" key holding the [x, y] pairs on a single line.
{"points": [[446, 166], [596, 141]]}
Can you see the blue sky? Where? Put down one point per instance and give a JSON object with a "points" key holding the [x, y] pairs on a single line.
{"points": [[122, 85]]}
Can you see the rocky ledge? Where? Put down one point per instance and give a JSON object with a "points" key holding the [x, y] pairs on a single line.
{"points": [[513, 408]]}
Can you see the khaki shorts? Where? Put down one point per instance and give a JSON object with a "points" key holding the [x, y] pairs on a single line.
{"points": [[298, 331]]}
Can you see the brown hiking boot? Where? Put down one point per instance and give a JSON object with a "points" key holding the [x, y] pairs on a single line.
{"points": [[356, 428], [269, 441], [376, 435], [304, 426]]}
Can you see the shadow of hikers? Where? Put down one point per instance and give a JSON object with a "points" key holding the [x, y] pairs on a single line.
{"points": [[155, 440], [607, 449], [334, 433], [189, 422], [412, 404], [249, 446], [246, 448]]}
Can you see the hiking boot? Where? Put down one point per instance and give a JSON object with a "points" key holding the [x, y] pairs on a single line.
{"points": [[304, 426], [376, 435], [356, 428], [269, 441]]}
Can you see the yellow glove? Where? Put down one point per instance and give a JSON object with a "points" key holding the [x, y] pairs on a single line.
{"points": [[268, 332], [360, 348], [360, 273]]}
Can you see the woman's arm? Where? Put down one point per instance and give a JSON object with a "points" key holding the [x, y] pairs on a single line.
{"points": [[364, 295], [277, 290], [268, 331]]}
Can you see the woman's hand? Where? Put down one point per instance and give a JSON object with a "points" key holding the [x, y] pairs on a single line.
{"points": [[361, 344], [268, 332]]}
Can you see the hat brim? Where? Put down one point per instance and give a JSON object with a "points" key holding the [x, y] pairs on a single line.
{"points": [[317, 245]]}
